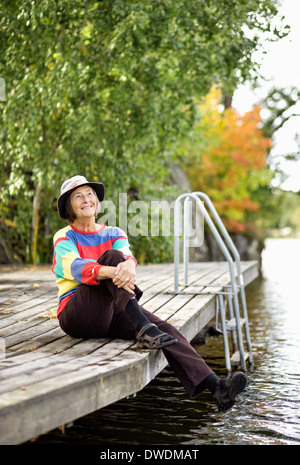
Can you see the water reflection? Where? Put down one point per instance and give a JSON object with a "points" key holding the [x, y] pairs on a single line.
{"points": [[267, 411], [274, 312]]}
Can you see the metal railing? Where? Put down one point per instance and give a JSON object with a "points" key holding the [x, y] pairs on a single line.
{"points": [[226, 245]]}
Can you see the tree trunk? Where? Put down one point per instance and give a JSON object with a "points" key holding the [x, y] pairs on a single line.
{"points": [[35, 224]]}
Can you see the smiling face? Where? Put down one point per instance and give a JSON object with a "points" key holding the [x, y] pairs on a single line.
{"points": [[84, 203]]}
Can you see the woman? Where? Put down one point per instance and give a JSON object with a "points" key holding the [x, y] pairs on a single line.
{"points": [[96, 273]]}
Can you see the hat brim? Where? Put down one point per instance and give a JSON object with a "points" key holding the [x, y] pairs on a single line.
{"points": [[61, 203]]}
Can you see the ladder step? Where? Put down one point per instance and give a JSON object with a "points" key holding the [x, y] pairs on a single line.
{"points": [[231, 324], [235, 358]]}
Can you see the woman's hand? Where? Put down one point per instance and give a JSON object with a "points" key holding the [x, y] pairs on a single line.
{"points": [[125, 275]]}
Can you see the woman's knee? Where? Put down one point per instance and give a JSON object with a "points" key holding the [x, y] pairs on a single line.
{"points": [[111, 257]]}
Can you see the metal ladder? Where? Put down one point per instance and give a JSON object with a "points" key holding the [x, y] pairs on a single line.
{"points": [[227, 301]]}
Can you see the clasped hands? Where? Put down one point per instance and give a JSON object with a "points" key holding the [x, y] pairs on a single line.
{"points": [[125, 275]]}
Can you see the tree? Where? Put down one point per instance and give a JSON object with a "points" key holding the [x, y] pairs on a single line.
{"points": [[228, 159], [106, 89], [278, 208], [281, 105]]}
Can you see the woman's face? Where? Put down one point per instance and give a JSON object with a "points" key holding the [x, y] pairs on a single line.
{"points": [[84, 202]]}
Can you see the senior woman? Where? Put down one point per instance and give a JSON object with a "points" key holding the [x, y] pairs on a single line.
{"points": [[98, 296]]}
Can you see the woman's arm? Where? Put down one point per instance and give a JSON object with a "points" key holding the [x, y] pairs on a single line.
{"points": [[69, 266]]}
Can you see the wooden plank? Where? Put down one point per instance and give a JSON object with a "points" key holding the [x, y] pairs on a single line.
{"points": [[87, 390], [43, 367]]}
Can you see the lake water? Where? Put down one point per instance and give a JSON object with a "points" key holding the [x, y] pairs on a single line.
{"points": [[267, 412]]}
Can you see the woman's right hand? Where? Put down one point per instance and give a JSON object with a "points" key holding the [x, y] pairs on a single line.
{"points": [[120, 276], [125, 276]]}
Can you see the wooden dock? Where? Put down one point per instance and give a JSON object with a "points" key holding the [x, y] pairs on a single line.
{"points": [[48, 379]]}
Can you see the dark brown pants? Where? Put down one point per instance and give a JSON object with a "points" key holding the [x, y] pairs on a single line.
{"points": [[99, 311]]}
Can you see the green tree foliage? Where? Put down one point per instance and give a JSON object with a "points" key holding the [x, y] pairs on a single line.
{"points": [[280, 211], [106, 89]]}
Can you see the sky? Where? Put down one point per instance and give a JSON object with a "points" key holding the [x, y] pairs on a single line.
{"points": [[281, 68]]}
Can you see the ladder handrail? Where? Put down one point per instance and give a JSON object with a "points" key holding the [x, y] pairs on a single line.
{"points": [[196, 197], [238, 263], [210, 224]]}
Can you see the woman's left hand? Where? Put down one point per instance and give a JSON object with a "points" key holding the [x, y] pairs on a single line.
{"points": [[125, 275]]}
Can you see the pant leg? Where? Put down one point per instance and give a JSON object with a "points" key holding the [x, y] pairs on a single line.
{"points": [[88, 313], [90, 310], [121, 297], [187, 364], [97, 311]]}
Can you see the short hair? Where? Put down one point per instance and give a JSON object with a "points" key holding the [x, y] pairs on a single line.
{"points": [[70, 215]]}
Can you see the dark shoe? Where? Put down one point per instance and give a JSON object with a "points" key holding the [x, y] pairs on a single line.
{"points": [[145, 341], [227, 390]]}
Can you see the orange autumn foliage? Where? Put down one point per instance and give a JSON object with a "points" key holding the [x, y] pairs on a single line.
{"points": [[229, 161]]}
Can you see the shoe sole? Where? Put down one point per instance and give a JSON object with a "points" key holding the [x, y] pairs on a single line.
{"points": [[237, 385], [142, 345]]}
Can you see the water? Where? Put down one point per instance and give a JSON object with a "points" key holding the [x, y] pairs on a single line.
{"points": [[267, 412]]}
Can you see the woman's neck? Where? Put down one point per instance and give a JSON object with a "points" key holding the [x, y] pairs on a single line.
{"points": [[87, 226]]}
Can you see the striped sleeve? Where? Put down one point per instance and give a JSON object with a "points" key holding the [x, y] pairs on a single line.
{"points": [[68, 265]]}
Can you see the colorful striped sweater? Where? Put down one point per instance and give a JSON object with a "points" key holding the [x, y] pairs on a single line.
{"points": [[76, 254]]}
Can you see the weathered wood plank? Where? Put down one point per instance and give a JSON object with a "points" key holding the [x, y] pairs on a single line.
{"points": [[42, 366]]}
